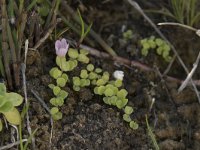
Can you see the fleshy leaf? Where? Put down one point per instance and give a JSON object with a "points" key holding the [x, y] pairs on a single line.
{"points": [[127, 118], [13, 116], [133, 125], [7, 106], [2, 89], [15, 98], [128, 110], [61, 82]]}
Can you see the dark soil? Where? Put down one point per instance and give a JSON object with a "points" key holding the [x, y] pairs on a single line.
{"points": [[90, 124]]}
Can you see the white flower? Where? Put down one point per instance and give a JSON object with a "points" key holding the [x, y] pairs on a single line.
{"points": [[118, 74]]}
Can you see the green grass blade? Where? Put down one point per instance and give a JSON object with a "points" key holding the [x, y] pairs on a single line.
{"points": [[29, 139], [32, 4], [88, 30], [82, 24], [152, 136]]}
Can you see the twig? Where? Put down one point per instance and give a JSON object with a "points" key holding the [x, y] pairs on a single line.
{"points": [[41, 101], [177, 24], [137, 7], [189, 77], [47, 34], [12, 144], [197, 31], [23, 68], [47, 109]]}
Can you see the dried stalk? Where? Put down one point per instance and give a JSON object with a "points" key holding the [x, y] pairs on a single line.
{"points": [[21, 29], [12, 144], [23, 68], [5, 51], [13, 55], [47, 34]]}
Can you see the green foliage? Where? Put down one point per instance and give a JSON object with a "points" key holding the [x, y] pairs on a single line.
{"points": [[56, 114], [133, 125], [8, 102], [83, 31], [185, 11], [128, 110], [161, 47], [89, 76], [90, 67], [127, 118], [127, 35], [55, 72], [151, 134], [73, 53]]}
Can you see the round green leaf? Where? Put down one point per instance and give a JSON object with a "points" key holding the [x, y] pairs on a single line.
{"points": [[54, 110], [56, 90], [73, 53], [133, 125], [84, 52], [7, 106], [122, 93], [13, 116], [84, 74], [2, 100], [98, 70], [127, 118], [128, 110], [118, 83], [15, 98], [108, 92], [61, 82], [76, 88], [65, 76], [90, 67], [63, 94], [76, 81], [82, 58], [92, 75], [57, 116]]}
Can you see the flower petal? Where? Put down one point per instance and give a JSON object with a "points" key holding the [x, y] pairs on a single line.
{"points": [[63, 43], [58, 45], [61, 52]]}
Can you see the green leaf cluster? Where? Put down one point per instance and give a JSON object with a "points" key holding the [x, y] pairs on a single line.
{"points": [[112, 95], [80, 56], [111, 90], [127, 35], [60, 95], [8, 102], [88, 76], [162, 48], [56, 114], [128, 110]]}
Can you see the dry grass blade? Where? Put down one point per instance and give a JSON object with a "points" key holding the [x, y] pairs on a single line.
{"points": [[5, 51]]}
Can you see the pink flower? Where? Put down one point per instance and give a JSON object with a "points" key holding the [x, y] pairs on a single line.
{"points": [[61, 47]]}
